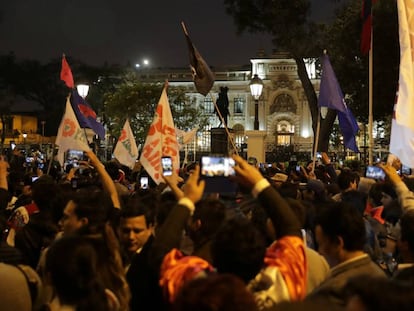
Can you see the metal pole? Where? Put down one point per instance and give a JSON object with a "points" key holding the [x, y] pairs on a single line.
{"points": [[256, 114], [370, 113]]}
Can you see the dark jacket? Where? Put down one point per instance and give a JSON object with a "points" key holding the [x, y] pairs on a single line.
{"points": [[38, 234]]}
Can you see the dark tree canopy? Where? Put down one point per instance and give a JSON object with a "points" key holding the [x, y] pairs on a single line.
{"points": [[288, 23]]}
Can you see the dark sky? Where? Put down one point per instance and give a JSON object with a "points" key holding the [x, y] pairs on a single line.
{"points": [[118, 31]]}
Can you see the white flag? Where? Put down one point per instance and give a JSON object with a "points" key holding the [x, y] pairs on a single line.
{"points": [[402, 143], [404, 111], [188, 136], [70, 135], [161, 141], [126, 150], [402, 128]]}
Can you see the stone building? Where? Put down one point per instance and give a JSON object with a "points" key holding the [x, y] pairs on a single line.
{"points": [[284, 117]]}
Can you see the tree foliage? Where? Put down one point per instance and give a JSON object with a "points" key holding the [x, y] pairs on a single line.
{"points": [[292, 31], [137, 101], [287, 21], [352, 69]]}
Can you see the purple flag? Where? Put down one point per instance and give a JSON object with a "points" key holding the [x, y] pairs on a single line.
{"points": [[331, 96]]}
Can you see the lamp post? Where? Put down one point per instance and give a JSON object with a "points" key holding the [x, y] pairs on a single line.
{"points": [[43, 132], [24, 140], [83, 90], [256, 87]]}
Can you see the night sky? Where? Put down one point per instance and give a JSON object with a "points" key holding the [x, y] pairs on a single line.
{"points": [[118, 31]]}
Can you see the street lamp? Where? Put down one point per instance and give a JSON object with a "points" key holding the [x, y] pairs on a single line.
{"points": [[256, 87], [83, 90], [24, 139]]}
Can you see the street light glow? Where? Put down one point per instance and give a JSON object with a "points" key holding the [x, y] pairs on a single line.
{"points": [[83, 90], [146, 62], [137, 65]]}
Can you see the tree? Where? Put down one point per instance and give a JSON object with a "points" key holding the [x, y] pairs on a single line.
{"points": [[137, 101], [352, 68], [287, 21]]}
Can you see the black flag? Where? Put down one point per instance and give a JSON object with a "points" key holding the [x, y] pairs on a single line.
{"points": [[202, 75]]}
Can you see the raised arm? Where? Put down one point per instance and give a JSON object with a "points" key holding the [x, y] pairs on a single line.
{"points": [[281, 215], [405, 196], [107, 182], [170, 233]]}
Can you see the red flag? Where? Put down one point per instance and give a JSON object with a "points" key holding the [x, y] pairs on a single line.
{"points": [[66, 73], [366, 16]]}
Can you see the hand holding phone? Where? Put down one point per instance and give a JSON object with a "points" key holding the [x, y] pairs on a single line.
{"points": [[167, 166]]}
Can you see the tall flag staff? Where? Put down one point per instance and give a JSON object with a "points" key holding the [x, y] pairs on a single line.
{"points": [[366, 48], [204, 79]]}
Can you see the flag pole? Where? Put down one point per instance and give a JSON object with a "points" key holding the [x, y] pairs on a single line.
{"points": [[370, 92], [224, 123], [51, 159], [318, 129]]}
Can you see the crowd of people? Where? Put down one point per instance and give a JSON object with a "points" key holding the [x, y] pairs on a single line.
{"points": [[311, 237]]}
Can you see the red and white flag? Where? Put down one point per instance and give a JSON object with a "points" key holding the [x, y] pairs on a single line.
{"points": [[126, 150], [161, 141], [70, 135], [402, 129]]}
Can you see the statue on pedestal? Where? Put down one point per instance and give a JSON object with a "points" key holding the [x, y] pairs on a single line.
{"points": [[222, 106]]}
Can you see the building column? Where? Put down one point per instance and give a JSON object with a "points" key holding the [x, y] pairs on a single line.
{"points": [[256, 145]]}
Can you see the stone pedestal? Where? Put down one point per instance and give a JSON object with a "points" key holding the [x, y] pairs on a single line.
{"points": [[255, 145], [219, 141]]}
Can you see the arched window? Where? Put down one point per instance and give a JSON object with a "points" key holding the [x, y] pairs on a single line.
{"points": [[283, 103]]}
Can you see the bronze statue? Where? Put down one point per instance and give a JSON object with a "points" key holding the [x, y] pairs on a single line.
{"points": [[222, 105]]}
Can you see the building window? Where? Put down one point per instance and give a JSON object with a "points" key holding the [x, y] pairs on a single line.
{"points": [[239, 104], [203, 138], [208, 105], [284, 133], [239, 135]]}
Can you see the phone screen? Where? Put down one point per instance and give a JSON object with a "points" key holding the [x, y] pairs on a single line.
{"points": [[144, 182], [167, 167], [217, 166], [375, 172]]}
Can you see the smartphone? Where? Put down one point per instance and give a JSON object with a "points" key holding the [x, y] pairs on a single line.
{"points": [[34, 178], [374, 172], [297, 168], [144, 182], [217, 166], [405, 170], [167, 166]]}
